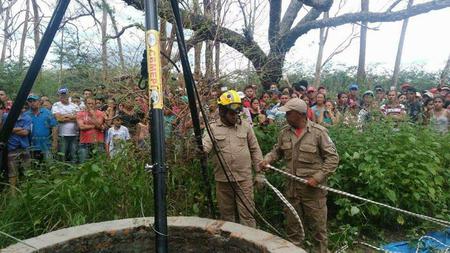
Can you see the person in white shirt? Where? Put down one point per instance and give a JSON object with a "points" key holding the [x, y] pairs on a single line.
{"points": [[116, 137], [65, 113]]}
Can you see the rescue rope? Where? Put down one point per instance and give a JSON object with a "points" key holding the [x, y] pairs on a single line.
{"points": [[447, 247], [421, 216], [17, 240], [288, 205]]}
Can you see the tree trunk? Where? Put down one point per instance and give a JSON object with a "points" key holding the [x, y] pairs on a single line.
{"points": [[361, 75], [104, 27], [197, 50], [6, 35], [218, 9], [322, 41], [209, 65], [272, 70], [36, 22], [24, 34], [398, 58], [61, 58], [119, 40], [445, 72]]}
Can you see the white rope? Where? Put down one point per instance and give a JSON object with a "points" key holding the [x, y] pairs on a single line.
{"points": [[447, 247], [421, 216], [288, 205], [17, 239], [345, 247]]}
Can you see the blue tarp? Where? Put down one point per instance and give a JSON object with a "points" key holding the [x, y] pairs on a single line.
{"points": [[431, 242]]}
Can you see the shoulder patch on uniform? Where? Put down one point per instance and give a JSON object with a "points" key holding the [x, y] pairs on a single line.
{"points": [[329, 139]]}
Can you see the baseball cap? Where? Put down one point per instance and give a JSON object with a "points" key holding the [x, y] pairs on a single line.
{"points": [[294, 104], [379, 88], [411, 90], [369, 92], [311, 89], [63, 90], [353, 86], [33, 97], [405, 86], [428, 94]]}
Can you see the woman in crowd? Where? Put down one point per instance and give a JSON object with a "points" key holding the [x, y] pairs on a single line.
{"points": [[257, 115], [274, 114], [319, 107], [342, 102], [440, 117], [330, 116]]}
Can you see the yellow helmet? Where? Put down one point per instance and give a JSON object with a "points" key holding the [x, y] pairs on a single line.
{"points": [[229, 97], [231, 100]]}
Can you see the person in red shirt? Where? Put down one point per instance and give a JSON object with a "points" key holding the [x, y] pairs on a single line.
{"points": [[249, 95], [309, 112], [91, 122], [393, 109]]}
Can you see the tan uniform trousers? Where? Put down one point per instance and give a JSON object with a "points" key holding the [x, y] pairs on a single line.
{"points": [[228, 203], [311, 205]]}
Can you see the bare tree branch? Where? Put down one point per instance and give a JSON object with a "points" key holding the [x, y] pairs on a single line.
{"points": [[342, 46], [123, 30], [290, 15], [290, 38], [392, 6], [321, 5], [274, 21]]}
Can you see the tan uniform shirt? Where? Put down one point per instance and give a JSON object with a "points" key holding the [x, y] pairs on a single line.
{"points": [[312, 154], [239, 147]]}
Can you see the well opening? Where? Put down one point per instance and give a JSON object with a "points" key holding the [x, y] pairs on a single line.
{"points": [[186, 234]]}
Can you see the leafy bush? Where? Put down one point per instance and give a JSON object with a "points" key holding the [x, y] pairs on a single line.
{"points": [[406, 167]]}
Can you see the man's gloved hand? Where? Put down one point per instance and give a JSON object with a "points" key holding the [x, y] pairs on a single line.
{"points": [[312, 182], [259, 181], [262, 165]]}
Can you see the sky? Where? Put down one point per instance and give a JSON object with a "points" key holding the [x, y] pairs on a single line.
{"points": [[427, 40]]}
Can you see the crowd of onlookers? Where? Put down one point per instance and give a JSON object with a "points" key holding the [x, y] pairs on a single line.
{"points": [[103, 121], [353, 107]]}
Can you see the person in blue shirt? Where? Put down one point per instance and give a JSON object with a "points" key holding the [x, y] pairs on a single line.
{"points": [[18, 149], [44, 133]]}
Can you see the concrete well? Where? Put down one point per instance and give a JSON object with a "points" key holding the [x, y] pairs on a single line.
{"points": [[186, 234]]}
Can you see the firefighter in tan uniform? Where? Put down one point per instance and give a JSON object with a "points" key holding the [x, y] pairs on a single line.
{"points": [[310, 154], [240, 149]]}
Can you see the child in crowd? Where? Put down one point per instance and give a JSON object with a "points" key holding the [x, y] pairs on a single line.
{"points": [[116, 136]]}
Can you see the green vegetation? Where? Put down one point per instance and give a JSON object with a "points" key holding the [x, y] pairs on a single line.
{"points": [[407, 168]]}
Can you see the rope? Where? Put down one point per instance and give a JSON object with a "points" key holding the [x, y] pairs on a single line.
{"points": [[241, 197], [447, 247], [17, 240], [345, 247], [421, 216], [288, 205]]}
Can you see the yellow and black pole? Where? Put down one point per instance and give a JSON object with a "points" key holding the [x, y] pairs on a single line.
{"points": [[156, 97]]}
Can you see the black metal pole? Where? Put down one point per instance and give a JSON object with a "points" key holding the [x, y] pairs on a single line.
{"points": [[32, 73], [157, 123], [189, 79]]}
